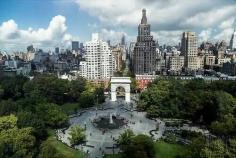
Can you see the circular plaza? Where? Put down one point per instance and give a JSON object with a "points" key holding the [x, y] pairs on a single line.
{"points": [[105, 123]]}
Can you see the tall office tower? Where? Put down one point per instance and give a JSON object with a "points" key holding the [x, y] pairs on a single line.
{"points": [[232, 44], [57, 50], [144, 54], [189, 50], [81, 46], [99, 60], [123, 40], [75, 45]]}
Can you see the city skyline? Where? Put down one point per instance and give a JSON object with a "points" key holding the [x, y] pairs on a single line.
{"points": [[51, 23]]}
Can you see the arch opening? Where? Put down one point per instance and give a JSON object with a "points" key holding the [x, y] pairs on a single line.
{"points": [[120, 92]]}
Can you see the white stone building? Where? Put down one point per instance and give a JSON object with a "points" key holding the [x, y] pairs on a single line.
{"points": [[176, 63], [99, 62]]}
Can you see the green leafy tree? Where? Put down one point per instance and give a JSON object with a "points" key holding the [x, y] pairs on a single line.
{"points": [[141, 146], [1, 92], [8, 107], [52, 115], [28, 119], [232, 147], [8, 122], [86, 99], [152, 112], [125, 138], [216, 149], [77, 135], [47, 150], [17, 143]]}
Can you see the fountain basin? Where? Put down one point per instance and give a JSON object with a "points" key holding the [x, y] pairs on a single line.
{"points": [[104, 122]]}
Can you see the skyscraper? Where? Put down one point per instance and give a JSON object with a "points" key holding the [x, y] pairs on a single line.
{"points": [[232, 44], [123, 40], [189, 49], [99, 62], [75, 45], [57, 50], [144, 54]]}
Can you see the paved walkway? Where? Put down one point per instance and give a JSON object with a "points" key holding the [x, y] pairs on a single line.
{"points": [[99, 143]]}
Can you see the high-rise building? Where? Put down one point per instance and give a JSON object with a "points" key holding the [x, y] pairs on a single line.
{"points": [[123, 40], [75, 45], [232, 43], [99, 62], [118, 53], [144, 54], [189, 50], [57, 50]]}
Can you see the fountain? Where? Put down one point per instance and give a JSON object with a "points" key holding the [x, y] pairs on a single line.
{"points": [[110, 121]]}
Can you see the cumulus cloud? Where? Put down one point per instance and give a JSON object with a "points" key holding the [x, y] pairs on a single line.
{"points": [[54, 35], [166, 17], [114, 36], [205, 35], [167, 37], [171, 14]]}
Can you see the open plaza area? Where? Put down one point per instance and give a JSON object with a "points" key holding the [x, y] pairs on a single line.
{"points": [[102, 141]]}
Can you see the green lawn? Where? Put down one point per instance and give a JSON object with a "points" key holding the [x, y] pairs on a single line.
{"points": [[66, 151], [165, 150], [70, 108]]}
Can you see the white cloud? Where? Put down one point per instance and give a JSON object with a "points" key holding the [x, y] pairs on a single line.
{"points": [[205, 35], [163, 15], [168, 18], [114, 36], [54, 35], [167, 37], [229, 23], [224, 35]]}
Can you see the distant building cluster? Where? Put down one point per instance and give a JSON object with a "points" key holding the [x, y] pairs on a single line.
{"points": [[98, 60]]}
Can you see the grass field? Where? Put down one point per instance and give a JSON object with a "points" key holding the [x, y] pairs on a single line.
{"points": [[70, 108], [165, 150], [66, 151]]}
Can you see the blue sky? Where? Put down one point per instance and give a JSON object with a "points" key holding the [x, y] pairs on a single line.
{"points": [[38, 13], [50, 23]]}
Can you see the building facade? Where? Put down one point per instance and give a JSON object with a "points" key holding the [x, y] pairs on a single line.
{"points": [[144, 54], [189, 49], [118, 53], [99, 62]]}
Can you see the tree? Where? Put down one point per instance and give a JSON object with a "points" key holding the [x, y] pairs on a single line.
{"points": [[196, 145], [77, 135], [28, 119], [47, 150], [215, 149], [152, 112], [13, 87], [8, 122], [125, 138], [7, 107], [52, 115], [232, 147], [99, 92], [141, 146], [77, 87], [133, 85], [226, 126], [14, 142], [86, 99], [1, 92], [17, 143]]}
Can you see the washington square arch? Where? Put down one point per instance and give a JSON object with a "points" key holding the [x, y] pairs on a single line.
{"points": [[123, 82]]}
